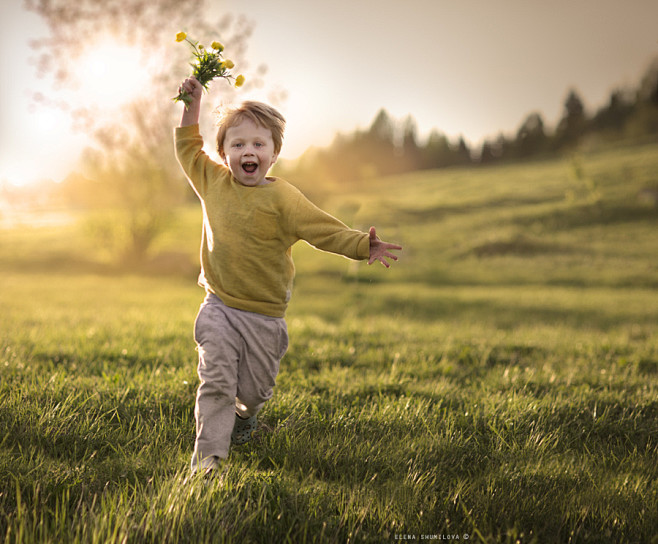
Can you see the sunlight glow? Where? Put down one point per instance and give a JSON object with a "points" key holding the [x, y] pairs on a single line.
{"points": [[111, 74], [45, 154], [108, 75]]}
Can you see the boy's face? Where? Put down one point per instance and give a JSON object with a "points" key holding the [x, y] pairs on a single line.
{"points": [[249, 151]]}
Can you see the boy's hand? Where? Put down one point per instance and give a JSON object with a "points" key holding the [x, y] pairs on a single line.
{"points": [[194, 89], [379, 249]]}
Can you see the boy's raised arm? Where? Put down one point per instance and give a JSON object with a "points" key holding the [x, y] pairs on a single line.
{"points": [[191, 113]]}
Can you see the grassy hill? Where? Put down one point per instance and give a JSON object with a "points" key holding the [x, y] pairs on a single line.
{"points": [[570, 221], [500, 381]]}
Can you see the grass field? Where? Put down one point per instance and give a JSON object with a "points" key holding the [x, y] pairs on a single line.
{"points": [[500, 383]]}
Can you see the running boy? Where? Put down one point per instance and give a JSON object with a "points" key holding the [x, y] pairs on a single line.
{"points": [[250, 222]]}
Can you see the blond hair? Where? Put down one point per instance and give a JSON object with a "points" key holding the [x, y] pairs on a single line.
{"points": [[260, 113]]}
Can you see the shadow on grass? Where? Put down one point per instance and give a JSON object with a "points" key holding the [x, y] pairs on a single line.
{"points": [[64, 438], [521, 245], [175, 263], [507, 314], [589, 215], [416, 216]]}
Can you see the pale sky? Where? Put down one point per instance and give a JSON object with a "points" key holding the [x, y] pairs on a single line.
{"points": [[467, 67]]}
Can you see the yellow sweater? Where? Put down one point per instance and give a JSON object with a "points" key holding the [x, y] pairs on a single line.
{"points": [[248, 232]]}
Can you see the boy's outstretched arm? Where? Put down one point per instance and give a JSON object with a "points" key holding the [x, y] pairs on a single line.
{"points": [[379, 250], [191, 113]]}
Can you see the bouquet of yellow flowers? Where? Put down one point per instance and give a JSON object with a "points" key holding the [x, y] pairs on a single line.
{"points": [[207, 65]]}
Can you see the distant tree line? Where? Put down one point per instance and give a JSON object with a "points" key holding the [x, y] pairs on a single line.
{"points": [[389, 147]]}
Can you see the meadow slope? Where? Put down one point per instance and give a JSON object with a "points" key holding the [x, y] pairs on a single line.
{"points": [[499, 383]]}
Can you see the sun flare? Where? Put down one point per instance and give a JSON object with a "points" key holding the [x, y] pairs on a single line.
{"points": [[111, 74], [107, 76]]}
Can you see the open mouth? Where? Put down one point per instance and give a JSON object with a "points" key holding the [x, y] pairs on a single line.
{"points": [[250, 167]]}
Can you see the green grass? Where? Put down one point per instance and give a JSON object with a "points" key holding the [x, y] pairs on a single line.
{"points": [[500, 381]]}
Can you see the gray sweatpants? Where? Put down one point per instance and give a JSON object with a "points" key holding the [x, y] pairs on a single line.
{"points": [[239, 355]]}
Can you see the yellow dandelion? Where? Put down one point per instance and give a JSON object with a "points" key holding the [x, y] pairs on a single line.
{"points": [[239, 81], [217, 46], [228, 64], [181, 36]]}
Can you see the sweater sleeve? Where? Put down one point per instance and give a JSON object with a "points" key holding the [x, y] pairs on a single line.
{"points": [[327, 233], [197, 165]]}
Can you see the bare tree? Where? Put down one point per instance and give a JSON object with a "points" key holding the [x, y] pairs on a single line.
{"points": [[132, 154]]}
